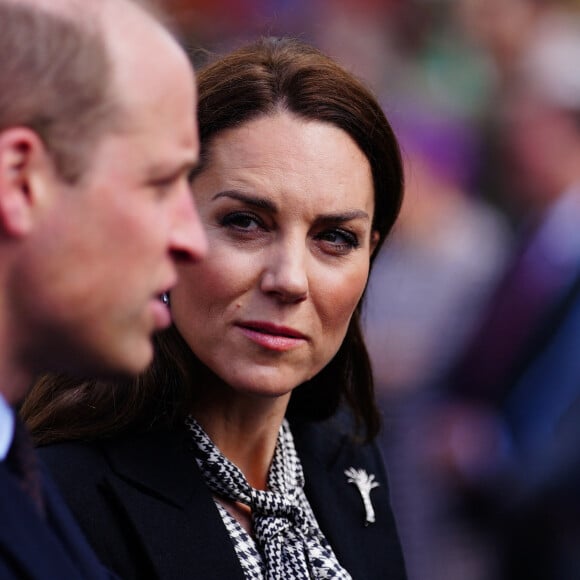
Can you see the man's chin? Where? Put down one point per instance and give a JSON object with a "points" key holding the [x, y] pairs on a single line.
{"points": [[123, 364]]}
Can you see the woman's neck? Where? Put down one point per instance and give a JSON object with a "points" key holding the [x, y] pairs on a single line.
{"points": [[245, 429]]}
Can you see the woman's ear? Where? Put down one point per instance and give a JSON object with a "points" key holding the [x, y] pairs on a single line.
{"points": [[375, 237], [22, 158]]}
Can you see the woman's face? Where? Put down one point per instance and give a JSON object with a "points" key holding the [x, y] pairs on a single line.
{"points": [[288, 207]]}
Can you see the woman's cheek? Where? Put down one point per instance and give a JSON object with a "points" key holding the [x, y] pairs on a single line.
{"points": [[347, 289]]}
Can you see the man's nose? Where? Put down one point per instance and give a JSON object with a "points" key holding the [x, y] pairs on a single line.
{"points": [[188, 238]]}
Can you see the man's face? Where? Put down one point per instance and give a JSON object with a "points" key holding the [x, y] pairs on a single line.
{"points": [[106, 248]]}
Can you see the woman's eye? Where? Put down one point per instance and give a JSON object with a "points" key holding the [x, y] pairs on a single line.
{"points": [[339, 240], [242, 221]]}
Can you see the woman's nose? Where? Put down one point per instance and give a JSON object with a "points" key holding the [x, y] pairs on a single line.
{"points": [[285, 275]]}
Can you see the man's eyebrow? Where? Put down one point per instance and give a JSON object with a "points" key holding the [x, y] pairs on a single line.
{"points": [[186, 167], [257, 202]]}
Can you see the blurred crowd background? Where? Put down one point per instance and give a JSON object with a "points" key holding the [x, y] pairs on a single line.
{"points": [[473, 316]]}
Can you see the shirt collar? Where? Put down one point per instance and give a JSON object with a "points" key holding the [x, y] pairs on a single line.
{"points": [[6, 428]]}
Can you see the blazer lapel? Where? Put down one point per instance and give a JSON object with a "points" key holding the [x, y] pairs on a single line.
{"points": [[325, 454], [158, 483]]}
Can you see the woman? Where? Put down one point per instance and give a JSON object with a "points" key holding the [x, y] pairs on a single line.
{"points": [[247, 449]]}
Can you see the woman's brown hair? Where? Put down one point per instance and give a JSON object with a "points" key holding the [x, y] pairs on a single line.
{"points": [[259, 79]]}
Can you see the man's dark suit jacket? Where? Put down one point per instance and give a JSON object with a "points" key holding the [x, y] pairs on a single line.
{"points": [[35, 549], [145, 508]]}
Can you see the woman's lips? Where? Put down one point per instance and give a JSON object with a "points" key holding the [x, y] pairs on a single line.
{"points": [[271, 336]]}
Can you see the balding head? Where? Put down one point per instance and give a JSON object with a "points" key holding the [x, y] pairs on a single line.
{"points": [[70, 88], [65, 8], [143, 52]]}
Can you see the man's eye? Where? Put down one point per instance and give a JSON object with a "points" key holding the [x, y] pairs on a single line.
{"points": [[163, 186]]}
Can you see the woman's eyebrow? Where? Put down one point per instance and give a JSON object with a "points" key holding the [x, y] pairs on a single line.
{"points": [[262, 203], [258, 202], [340, 217]]}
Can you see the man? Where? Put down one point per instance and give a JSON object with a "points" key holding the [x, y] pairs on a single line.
{"points": [[97, 139]]}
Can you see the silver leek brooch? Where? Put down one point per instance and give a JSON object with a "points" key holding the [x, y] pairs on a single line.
{"points": [[365, 483]]}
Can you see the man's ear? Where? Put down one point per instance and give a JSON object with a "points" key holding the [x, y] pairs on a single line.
{"points": [[23, 158]]}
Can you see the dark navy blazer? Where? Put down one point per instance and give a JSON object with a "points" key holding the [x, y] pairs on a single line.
{"points": [[53, 548], [148, 514]]}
